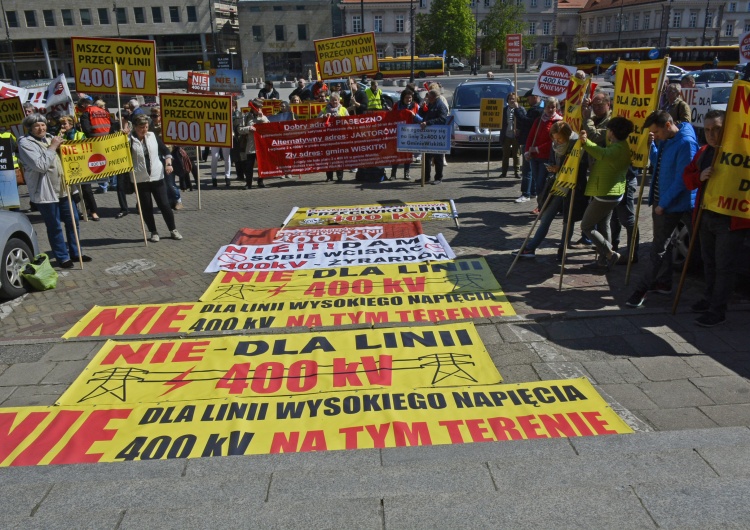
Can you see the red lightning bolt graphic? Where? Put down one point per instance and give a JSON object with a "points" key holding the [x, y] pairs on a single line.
{"points": [[178, 381], [278, 290]]}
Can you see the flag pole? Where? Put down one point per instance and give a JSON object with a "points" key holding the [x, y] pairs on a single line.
{"points": [[533, 226]]}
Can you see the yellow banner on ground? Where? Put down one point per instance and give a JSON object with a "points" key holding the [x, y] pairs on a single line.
{"points": [[189, 317], [101, 64], [95, 158], [197, 119], [322, 422], [351, 55], [11, 112], [491, 113], [288, 364], [728, 189], [574, 102], [567, 177], [372, 213], [637, 88], [461, 275]]}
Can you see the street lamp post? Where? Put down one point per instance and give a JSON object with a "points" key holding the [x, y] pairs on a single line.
{"points": [[10, 44], [619, 25], [476, 37], [705, 24], [411, 38]]}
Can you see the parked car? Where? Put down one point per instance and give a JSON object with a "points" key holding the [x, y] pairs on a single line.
{"points": [[19, 243], [713, 76], [465, 112], [674, 73], [609, 73]]}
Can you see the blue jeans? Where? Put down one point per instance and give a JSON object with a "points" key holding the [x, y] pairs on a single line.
{"points": [[539, 176], [527, 185], [548, 215], [173, 191], [53, 214]]}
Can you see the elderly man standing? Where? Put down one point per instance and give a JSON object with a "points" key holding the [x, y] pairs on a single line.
{"points": [[508, 135], [675, 105], [436, 113], [672, 148]]}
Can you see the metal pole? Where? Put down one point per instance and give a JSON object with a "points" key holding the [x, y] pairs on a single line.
{"points": [[411, 38], [117, 20], [619, 22], [10, 45], [705, 24], [362, 16]]}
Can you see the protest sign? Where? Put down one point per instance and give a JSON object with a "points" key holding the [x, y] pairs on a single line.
{"points": [[327, 144], [325, 234], [434, 139], [294, 256], [728, 189], [351, 55], [52, 97], [573, 105], [9, 198], [699, 101], [491, 113], [514, 48], [11, 114], [220, 80], [637, 88], [198, 82], [307, 110], [745, 47], [372, 213], [461, 275], [397, 358], [567, 176], [101, 65], [95, 158], [197, 119], [553, 80], [323, 422]]}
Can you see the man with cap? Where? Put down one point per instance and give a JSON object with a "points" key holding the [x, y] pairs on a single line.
{"points": [[524, 120]]}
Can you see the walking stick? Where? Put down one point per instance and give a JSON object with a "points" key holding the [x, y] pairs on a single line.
{"points": [[198, 163], [533, 226], [631, 248], [565, 237]]}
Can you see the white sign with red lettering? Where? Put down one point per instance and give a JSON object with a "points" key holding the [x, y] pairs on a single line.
{"points": [[553, 80], [745, 48]]}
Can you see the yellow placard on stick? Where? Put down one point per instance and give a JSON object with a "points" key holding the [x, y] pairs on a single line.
{"points": [[491, 113], [362, 419], [351, 55], [288, 364], [102, 64], [95, 158], [567, 176], [637, 88], [728, 189], [372, 213], [11, 112], [196, 119], [573, 103]]}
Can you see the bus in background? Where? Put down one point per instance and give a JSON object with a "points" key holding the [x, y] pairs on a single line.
{"points": [[687, 57], [401, 67]]}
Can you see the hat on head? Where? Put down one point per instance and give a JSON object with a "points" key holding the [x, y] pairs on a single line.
{"points": [[529, 93]]}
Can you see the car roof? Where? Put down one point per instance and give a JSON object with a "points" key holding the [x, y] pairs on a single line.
{"points": [[505, 81]]}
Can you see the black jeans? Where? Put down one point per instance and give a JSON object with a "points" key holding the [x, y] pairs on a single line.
{"points": [[157, 189], [719, 247], [438, 166]]}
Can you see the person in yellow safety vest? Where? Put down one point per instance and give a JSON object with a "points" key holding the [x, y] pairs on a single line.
{"points": [[5, 133], [374, 97]]}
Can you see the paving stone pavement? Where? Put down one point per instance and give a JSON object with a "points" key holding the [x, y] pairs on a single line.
{"points": [[659, 372]]}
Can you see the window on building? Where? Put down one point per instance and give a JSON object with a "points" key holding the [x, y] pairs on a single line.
{"points": [[12, 17], [278, 8], [519, 3], [380, 53], [30, 17], [356, 24], [608, 24], [591, 25], [399, 51], [598, 25], [547, 3], [49, 17], [625, 22], [156, 15], [377, 25], [709, 20], [636, 21], [532, 53], [693, 20], [103, 13], [532, 28], [676, 20], [85, 17], [174, 13], [279, 32], [67, 17], [301, 31], [121, 16], [423, 4], [257, 33], [533, 3], [732, 7], [729, 29], [747, 27], [255, 9], [545, 28], [139, 15], [646, 20], [192, 13], [486, 3], [300, 8], [545, 51], [399, 23]]}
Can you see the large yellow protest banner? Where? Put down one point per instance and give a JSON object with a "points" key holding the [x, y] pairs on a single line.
{"points": [[102, 64], [567, 176], [637, 88], [728, 189], [573, 104], [372, 213], [95, 158], [322, 422], [11, 112], [192, 119], [461, 275], [287, 364], [350, 55]]}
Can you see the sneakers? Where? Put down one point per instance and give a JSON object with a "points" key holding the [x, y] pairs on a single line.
{"points": [[612, 260], [527, 253], [175, 235], [178, 206], [661, 288], [393, 175], [436, 182], [407, 176], [709, 320], [523, 198], [701, 306], [154, 237], [636, 299]]}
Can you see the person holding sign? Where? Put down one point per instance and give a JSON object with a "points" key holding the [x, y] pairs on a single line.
{"points": [[721, 235], [252, 118], [148, 152], [538, 146], [334, 108], [606, 185], [37, 151], [434, 113], [405, 105]]}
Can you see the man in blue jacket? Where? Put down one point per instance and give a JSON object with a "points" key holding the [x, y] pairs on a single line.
{"points": [[672, 148]]}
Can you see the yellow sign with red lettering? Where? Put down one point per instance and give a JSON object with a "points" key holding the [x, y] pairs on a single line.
{"points": [[193, 119], [363, 419], [95, 158], [573, 104], [728, 189], [102, 64]]}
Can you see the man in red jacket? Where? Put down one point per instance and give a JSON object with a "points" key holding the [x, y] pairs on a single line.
{"points": [[538, 146], [721, 235]]}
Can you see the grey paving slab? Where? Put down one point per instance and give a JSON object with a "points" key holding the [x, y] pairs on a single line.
{"points": [[675, 394], [514, 353], [716, 503], [596, 348], [728, 415], [518, 373], [19, 500], [730, 461], [660, 441], [22, 353], [677, 418], [102, 520], [724, 390], [5, 392], [629, 396], [445, 477], [617, 325], [568, 329], [561, 370], [614, 372], [489, 334], [72, 351], [65, 372], [25, 373], [315, 514], [736, 338], [522, 332], [647, 345], [34, 395], [566, 508], [707, 366], [663, 368], [105, 472]]}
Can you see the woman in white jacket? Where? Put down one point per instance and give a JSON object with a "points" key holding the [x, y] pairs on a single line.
{"points": [[149, 171], [37, 152]]}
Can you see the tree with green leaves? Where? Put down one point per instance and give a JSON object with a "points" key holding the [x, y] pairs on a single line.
{"points": [[506, 17], [450, 26]]}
